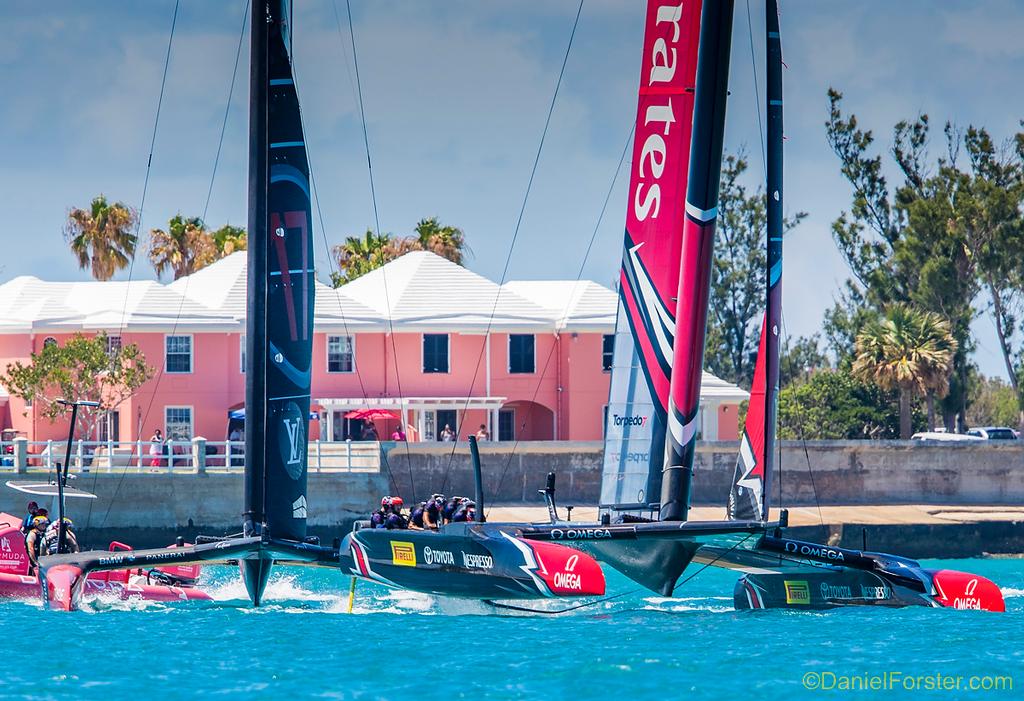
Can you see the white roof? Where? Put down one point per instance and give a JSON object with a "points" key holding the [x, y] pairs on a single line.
{"points": [[422, 291], [577, 305], [29, 304], [715, 388]]}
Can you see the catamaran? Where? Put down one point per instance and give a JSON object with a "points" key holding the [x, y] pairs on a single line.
{"points": [[463, 560], [644, 530]]}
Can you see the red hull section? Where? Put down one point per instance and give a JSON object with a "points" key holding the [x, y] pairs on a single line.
{"points": [[16, 583], [962, 590], [565, 571]]}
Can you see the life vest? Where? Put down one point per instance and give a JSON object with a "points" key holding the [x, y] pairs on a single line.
{"points": [[52, 539], [416, 518]]}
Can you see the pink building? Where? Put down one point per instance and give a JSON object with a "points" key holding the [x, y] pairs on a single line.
{"points": [[430, 341]]}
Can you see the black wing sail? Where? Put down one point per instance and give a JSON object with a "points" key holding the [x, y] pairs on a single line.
{"points": [[281, 288]]}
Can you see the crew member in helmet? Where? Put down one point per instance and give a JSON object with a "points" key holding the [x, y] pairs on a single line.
{"points": [[52, 538], [396, 519], [432, 511], [26, 523], [379, 517], [34, 542], [465, 512], [450, 507], [416, 517]]}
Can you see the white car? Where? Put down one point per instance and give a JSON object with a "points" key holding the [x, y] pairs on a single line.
{"points": [[994, 433], [945, 437]]}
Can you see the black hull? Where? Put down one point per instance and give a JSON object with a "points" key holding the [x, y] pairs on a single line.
{"points": [[822, 589], [480, 561]]}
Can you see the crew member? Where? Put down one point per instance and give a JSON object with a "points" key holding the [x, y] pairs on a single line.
{"points": [[52, 538], [396, 519], [34, 542], [432, 511], [465, 512], [416, 517], [450, 507], [379, 517], [26, 523]]}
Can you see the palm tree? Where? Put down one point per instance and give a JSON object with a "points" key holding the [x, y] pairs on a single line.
{"points": [[102, 237], [444, 240], [184, 248], [909, 350], [358, 256], [229, 239]]}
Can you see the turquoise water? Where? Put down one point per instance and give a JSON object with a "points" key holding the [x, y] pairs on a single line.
{"points": [[405, 646]]}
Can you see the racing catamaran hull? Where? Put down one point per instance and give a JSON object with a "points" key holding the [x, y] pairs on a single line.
{"points": [[473, 561]]}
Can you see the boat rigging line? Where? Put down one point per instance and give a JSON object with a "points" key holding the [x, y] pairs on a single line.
{"points": [[757, 94], [515, 234], [376, 220], [138, 230]]}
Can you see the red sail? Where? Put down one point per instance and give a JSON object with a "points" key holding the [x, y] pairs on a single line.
{"points": [[746, 497], [649, 277]]}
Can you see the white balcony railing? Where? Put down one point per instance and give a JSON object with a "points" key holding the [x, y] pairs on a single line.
{"points": [[177, 456]]}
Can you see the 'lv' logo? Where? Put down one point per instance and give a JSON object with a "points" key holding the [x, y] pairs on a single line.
{"points": [[294, 428]]}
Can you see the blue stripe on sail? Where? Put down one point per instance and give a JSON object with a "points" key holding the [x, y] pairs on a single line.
{"points": [[775, 273], [775, 102], [286, 144], [281, 81], [291, 174]]}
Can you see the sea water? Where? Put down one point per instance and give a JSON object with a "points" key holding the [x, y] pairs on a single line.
{"points": [[397, 645]]}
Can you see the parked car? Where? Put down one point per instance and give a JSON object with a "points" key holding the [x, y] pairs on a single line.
{"points": [[993, 433], [945, 437]]}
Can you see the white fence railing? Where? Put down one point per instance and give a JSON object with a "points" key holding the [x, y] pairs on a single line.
{"points": [[174, 456]]}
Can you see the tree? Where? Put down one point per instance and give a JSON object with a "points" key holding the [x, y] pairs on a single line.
{"points": [[834, 405], [84, 367], [229, 239], [360, 255], [738, 274], [909, 351], [898, 242], [185, 247], [102, 237], [993, 403], [800, 359]]}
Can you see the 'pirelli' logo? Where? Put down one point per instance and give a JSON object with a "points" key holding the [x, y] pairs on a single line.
{"points": [[798, 593], [403, 553]]}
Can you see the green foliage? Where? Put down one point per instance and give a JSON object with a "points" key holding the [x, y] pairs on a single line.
{"points": [[834, 405], [800, 359], [102, 237], [186, 246], [360, 255], [81, 368], [738, 275], [993, 403], [229, 239]]}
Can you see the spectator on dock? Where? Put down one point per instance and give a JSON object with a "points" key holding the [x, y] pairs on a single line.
{"points": [[156, 449], [398, 434], [447, 434], [370, 432], [235, 437], [482, 434]]}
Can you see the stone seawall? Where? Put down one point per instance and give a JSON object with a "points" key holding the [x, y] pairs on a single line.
{"points": [[841, 472], [149, 510]]}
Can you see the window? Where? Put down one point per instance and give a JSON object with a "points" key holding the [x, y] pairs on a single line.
{"points": [[241, 353], [49, 341], [113, 345], [109, 427], [521, 353], [178, 423], [341, 355], [607, 351], [178, 355], [435, 352], [507, 425]]}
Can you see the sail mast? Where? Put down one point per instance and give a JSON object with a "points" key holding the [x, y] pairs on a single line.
{"points": [[695, 265], [773, 314], [649, 276], [256, 282]]}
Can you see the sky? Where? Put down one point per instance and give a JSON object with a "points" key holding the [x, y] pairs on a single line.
{"points": [[456, 93]]}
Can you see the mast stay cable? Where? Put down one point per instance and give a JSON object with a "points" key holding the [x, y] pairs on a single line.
{"points": [[515, 234]]}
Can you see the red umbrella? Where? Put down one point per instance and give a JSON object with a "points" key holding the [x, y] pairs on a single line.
{"points": [[371, 414]]}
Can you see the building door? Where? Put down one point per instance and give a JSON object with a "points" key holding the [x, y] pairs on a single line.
{"points": [[507, 425], [446, 417]]}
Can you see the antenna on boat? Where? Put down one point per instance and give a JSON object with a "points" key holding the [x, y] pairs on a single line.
{"points": [[62, 474]]}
